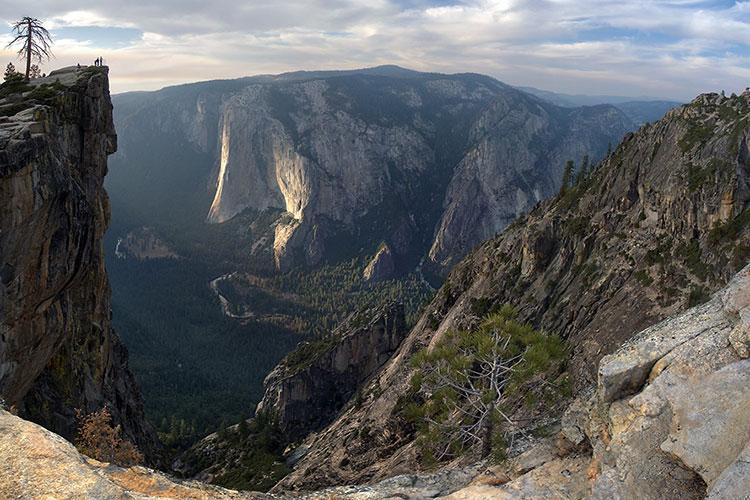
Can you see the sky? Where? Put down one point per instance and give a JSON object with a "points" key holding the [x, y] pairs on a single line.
{"points": [[662, 48]]}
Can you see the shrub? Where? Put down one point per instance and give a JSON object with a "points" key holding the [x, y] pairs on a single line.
{"points": [[98, 439], [463, 382]]}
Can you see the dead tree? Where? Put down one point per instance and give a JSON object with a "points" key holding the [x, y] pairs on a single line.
{"points": [[34, 39]]}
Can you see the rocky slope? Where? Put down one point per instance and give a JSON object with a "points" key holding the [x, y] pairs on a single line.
{"points": [[308, 388], [660, 224], [668, 420], [427, 163], [58, 352]]}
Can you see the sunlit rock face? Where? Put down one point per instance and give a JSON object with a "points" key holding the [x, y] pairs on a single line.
{"points": [[428, 164]]}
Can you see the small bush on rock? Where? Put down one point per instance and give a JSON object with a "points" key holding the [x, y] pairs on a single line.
{"points": [[98, 439]]}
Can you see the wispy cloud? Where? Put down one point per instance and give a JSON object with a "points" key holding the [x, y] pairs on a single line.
{"points": [[666, 48]]}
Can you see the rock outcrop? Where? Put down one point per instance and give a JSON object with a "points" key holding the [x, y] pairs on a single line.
{"points": [[381, 267], [143, 244], [660, 224], [36, 463], [308, 387], [383, 154], [58, 352]]}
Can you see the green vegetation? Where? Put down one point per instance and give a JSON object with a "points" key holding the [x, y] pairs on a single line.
{"points": [[46, 91], [643, 277], [692, 255], [567, 176], [259, 463], [699, 176], [698, 295], [574, 186], [577, 226], [697, 133], [14, 85], [729, 230], [462, 388], [660, 254]]}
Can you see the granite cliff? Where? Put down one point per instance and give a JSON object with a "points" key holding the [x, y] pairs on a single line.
{"points": [[429, 164], [58, 352]]}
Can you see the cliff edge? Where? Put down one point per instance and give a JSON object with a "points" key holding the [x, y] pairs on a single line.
{"points": [[58, 352]]}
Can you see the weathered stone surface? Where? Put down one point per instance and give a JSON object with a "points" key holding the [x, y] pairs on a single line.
{"points": [[559, 478], [35, 463], [710, 426], [58, 352], [740, 336], [687, 424], [734, 481]]}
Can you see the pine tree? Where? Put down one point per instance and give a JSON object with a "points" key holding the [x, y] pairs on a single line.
{"points": [[567, 176], [244, 431], [583, 171], [10, 72]]}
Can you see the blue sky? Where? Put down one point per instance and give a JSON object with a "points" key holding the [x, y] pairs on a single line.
{"points": [[661, 48]]}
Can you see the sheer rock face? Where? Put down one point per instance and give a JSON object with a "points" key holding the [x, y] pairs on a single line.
{"points": [[58, 352], [662, 222], [306, 397], [363, 154]]}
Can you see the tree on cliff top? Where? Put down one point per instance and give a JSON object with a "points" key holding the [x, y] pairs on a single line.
{"points": [[34, 39], [11, 73]]}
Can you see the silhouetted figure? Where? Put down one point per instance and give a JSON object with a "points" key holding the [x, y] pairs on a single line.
{"points": [[78, 65]]}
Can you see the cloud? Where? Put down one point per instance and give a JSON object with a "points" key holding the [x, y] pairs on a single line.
{"points": [[664, 48]]}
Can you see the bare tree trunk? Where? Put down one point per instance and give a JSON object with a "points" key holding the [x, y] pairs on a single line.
{"points": [[489, 425], [28, 50]]}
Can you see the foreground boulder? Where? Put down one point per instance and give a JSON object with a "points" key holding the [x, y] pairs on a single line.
{"points": [[670, 418], [35, 463]]}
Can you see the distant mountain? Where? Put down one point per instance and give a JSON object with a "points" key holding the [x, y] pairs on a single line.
{"points": [[429, 164], [639, 109]]}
